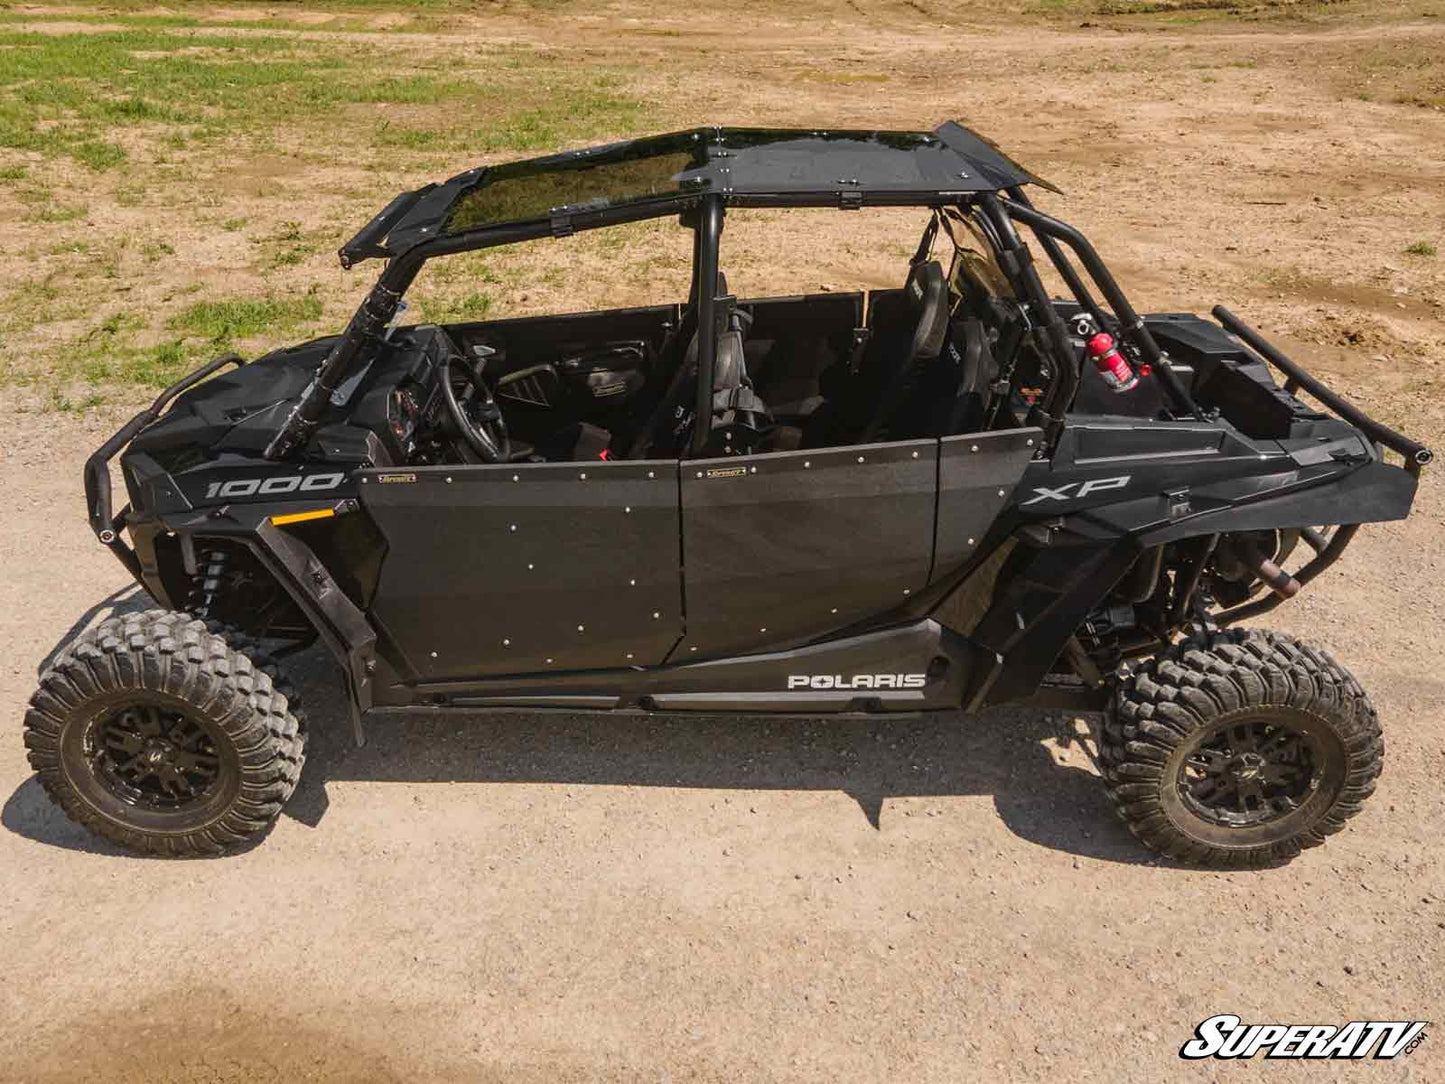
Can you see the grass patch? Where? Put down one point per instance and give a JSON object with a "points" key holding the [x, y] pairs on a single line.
{"points": [[1421, 248], [472, 306], [221, 322]]}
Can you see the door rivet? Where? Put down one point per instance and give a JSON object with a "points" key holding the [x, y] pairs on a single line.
{"points": [[506, 643], [835, 609], [628, 508], [755, 470], [516, 478], [974, 448], [906, 591], [1029, 442], [860, 459], [449, 479], [763, 629], [656, 615], [970, 541], [692, 649], [1001, 493], [549, 660], [699, 474], [650, 474], [511, 526], [581, 628], [433, 654], [583, 475], [631, 583], [530, 566], [807, 464], [915, 455]]}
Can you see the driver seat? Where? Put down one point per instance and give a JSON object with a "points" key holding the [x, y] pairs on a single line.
{"points": [[926, 294]]}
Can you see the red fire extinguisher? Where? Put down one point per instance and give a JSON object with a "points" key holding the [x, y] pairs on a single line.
{"points": [[1111, 363]]}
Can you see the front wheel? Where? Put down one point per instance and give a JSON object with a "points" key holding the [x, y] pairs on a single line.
{"points": [[154, 732], [1240, 750]]}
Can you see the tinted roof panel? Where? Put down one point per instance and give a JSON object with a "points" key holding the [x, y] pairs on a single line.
{"points": [[754, 166]]}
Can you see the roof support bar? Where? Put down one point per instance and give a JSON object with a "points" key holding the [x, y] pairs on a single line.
{"points": [[1017, 263], [1131, 323], [709, 228]]}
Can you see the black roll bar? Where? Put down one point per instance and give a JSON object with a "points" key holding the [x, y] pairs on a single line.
{"points": [[1064, 266], [1416, 454], [1130, 322], [1017, 263], [709, 228]]}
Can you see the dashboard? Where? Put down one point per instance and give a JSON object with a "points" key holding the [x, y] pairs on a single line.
{"points": [[402, 402]]}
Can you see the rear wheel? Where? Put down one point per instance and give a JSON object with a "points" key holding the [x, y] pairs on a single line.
{"points": [[157, 734], [1240, 750]]}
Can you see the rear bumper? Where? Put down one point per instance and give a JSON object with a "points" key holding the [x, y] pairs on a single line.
{"points": [[1327, 550], [1415, 454]]}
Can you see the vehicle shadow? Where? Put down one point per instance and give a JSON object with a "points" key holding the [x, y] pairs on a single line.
{"points": [[1015, 755]]}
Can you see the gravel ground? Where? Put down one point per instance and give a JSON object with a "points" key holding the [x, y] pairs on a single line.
{"points": [[558, 898]]}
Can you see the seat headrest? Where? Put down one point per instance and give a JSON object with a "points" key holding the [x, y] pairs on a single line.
{"points": [[927, 294]]}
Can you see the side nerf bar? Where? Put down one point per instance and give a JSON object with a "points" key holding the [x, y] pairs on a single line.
{"points": [[106, 526], [1416, 454]]}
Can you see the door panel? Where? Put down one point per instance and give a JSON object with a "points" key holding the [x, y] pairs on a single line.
{"points": [[787, 546], [521, 568], [977, 473]]}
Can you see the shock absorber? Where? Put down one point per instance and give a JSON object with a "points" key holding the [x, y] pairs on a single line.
{"points": [[209, 580]]}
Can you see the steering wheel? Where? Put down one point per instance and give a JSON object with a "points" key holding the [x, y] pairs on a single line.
{"points": [[476, 416]]}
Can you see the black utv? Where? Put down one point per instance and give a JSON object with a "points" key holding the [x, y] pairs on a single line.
{"points": [[952, 494]]}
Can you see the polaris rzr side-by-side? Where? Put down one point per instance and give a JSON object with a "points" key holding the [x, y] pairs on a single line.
{"points": [[953, 494]]}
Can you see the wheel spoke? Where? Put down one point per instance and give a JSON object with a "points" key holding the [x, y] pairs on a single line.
{"points": [[124, 741], [148, 721]]}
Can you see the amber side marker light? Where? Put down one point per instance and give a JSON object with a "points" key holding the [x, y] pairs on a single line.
{"points": [[302, 517]]}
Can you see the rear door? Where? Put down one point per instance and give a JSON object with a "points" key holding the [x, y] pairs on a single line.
{"points": [[788, 546], [528, 568]]}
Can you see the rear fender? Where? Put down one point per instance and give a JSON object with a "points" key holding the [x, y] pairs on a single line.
{"points": [[1042, 596]]}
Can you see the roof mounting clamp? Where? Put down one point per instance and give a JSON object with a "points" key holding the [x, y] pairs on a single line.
{"points": [[562, 225], [850, 201]]}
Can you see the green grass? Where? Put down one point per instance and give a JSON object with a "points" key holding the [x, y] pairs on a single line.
{"points": [[67, 94], [163, 124], [472, 306], [221, 322], [1421, 248]]}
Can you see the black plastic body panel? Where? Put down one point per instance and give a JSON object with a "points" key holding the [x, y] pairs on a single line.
{"points": [[516, 568], [789, 546], [977, 474], [914, 667]]}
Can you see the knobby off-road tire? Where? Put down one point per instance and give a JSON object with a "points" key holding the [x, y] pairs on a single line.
{"points": [[157, 734], [1240, 750]]}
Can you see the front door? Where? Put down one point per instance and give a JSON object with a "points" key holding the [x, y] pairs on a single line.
{"points": [[527, 568], [785, 547]]}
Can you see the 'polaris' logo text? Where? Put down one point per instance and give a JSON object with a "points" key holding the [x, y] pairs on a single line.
{"points": [[857, 681], [1061, 493], [1226, 1036]]}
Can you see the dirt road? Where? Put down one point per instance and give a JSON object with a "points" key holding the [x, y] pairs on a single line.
{"points": [[534, 898], [516, 898]]}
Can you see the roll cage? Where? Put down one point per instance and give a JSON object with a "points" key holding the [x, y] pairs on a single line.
{"points": [[698, 174]]}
